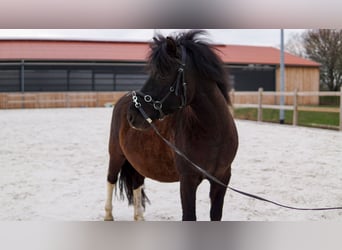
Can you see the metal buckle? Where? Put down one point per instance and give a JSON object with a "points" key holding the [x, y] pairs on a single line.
{"points": [[137, 104], [157, 105], [147, 98]]}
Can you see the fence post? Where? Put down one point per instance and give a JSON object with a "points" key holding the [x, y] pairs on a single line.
{"points": [[295, 107], [5, 101], [97, 99], [22, 98], [37, 103], [341, 108], [260, 105], [67, 98], [232, 95]]}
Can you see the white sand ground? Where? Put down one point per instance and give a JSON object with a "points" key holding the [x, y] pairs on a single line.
{"points": [[53, 165]]}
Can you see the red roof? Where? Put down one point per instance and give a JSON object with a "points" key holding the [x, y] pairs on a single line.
{"points": [[238, 54], [132, 51]]}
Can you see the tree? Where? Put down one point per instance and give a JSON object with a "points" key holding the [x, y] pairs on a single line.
{"points": [[295, 45], [325, 47]]}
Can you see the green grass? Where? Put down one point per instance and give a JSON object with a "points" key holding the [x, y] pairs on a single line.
{"points": [[329, 101], [305, 118]]}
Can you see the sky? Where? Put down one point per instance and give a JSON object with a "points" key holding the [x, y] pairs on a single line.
{"points": [[257, 37]]}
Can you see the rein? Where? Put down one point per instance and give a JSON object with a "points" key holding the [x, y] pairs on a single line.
{"points": [[213, 178]]}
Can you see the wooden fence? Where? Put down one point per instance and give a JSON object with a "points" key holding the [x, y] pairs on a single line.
{"points": [[57, 99], [295, 105], [257, 99]]}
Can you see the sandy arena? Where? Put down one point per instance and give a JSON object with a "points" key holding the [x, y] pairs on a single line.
{"points": [[53, 165]]}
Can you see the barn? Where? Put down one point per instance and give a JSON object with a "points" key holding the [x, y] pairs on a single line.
{"points": [[59, 73]]}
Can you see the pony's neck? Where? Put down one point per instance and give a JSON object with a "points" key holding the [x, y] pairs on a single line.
{"points": [[209, 103]]}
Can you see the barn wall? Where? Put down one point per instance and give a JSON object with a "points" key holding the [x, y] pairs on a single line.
{"points": [[302, 79]]}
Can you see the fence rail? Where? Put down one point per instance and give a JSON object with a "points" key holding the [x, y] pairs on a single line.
{"points": [[57, 99], [100, 99], [295, 107]]}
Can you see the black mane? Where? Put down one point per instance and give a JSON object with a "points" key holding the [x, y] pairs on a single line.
{"points": [[200, 54]]}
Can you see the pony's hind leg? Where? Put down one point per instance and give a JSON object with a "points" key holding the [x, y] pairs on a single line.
{"points": [[109, 205], [138, 205], [115, 164], [132, 183]]}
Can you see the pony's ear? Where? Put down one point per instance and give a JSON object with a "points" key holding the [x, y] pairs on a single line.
{"points": [[171, 46]]}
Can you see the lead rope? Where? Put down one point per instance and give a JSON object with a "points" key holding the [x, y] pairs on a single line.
{"points": [[177, 151]]}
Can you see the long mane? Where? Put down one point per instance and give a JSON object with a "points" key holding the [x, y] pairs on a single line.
{"points": [[200, 54]]}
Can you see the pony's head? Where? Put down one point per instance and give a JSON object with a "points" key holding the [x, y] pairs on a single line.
{"points": [[176, 65], [165, 91]]}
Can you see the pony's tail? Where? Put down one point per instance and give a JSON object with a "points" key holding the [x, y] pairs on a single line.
{"points": [[129, 180]]}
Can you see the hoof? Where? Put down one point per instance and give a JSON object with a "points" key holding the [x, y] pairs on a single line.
{"points": [[139, 218], [108, 218]]}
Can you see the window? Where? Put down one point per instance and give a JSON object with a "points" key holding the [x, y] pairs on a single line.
{"points": [[251, 78], [80, 80], [46, 76], [45, 80], [9, 80], [104, 82], [129, 81]]}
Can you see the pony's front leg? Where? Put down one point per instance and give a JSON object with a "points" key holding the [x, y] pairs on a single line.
{"points": [[217, 193], [188, 188], [138, 205]]}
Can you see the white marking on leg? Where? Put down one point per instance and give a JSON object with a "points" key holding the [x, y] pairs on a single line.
{"points": [[109, 206], [137, 202]]}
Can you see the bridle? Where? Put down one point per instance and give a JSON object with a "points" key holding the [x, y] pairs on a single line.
{"points": [[175, 89]]}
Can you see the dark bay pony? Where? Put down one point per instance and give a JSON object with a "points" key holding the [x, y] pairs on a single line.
{"points": [[186, 99]]}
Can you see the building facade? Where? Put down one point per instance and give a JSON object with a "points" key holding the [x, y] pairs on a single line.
{"points": [[45, 66]]}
